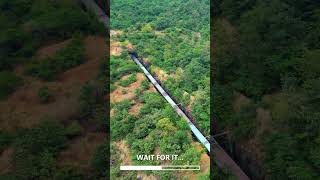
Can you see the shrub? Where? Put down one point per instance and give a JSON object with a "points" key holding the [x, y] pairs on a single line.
{"points": [[63, 22], [87, 98], [112, 87], [5, 140], [99, 118], [131, 79], [145, 84], [68, 173], [44, 95], [35, 150], [8, 83], [100, 161], [74, 129], [48, 69]]}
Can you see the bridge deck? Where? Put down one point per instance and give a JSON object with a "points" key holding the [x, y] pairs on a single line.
{"points": [[222, 159]]}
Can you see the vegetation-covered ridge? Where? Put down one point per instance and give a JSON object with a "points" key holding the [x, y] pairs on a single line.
{"points": [[48, 108], [176, 49], [178, 45], [267, 76]]}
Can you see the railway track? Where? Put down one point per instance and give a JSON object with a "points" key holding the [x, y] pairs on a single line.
{"points": [[196, 132], [222, 159]]}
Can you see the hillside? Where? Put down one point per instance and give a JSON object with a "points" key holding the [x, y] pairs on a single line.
{"points": [[52, 60], [176, 51], [266, 71]]}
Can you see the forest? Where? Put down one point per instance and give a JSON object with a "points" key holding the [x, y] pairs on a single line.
{"points": [[35, 145], [176, 51], [179, 46], [267, 83]]}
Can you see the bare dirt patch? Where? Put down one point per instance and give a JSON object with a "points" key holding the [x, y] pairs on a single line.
{"points": [[123, 93], [5, 159], [204, 160], [115, 49], [159, 33], [146, 177], [161, 74], [23, 108], [135, 109], [264, 118], [115, 32], [151, 89], [112, 112], [239, 101], [51, 49], [124, 155]]}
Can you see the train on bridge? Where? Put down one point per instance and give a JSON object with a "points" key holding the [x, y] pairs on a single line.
{"points": [[203, 140]]}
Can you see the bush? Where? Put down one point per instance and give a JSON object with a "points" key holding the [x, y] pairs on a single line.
{"points": [[8, 83], [74, 129], [35, 150], [68, 173], [131, 79], [63, 22], [145, 84], [121, 124], [112, 87], [121, 67], [87, 98], [44, 95], [66, 58], [5, 140], [100, 161], [245, 122]]}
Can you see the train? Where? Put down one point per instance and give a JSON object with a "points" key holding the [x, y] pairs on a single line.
{"points": [[193, 128]]}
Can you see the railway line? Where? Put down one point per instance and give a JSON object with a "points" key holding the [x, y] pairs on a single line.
{"points": [[203, 140], [222, 159]]}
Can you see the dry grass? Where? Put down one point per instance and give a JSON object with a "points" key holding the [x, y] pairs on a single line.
{"points": [[115, 49], [51, 49], [135, 109], [124, 155], [118, 94], [161, 74]]}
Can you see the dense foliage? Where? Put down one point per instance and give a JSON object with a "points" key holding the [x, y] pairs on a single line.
{"points": [[28, 24], [178, 45], [35, 152], [172, 37], [269, 52], [8, 83]]}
